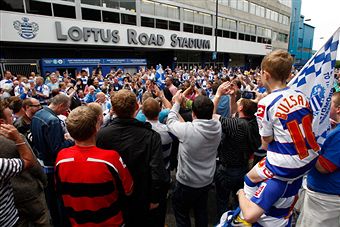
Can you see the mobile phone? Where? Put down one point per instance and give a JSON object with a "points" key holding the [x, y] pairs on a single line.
{"points": [[248, 95]]}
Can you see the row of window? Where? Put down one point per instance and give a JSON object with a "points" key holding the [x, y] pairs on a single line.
{"points": [[158, 9], [107, 16], [114, 4], [159, 23], [197, 29], [197, 17], [226, 23], [165, 10], [280, 37], [249, 7], [226, 34]]}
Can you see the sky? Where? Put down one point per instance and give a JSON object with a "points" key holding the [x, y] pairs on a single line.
{"points": [[325, 17]]}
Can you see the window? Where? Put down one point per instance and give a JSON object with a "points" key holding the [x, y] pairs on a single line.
{"points": [[252, 8], [233, 35], [35, 7], [287, 3], [198, 18], [188, 28], [260, 11], [148, 22], [226, 34], [174, 26], [274, 16], [246, 28], [64, 11], [242, 5], [207, 31], [241, 36], [91, 14], [188, 15], [12, 5], [241, 27], [198, 29], [128, 19], [220, 21], [265, 32], [264, 40], [253, 38], [223, 2], [233, 4], [111, 4], [161, 10], [158, 9], [163, 24], [252, 29], [207, 19], [111, 17], [173, 12], [127, 5], [275, 36], [148, 7], [219, 32], [91, 2], [268, 14], [227, 23], [280, 18], [285, 20], [232, 24]]}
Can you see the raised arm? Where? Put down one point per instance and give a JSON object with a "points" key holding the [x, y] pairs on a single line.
{"points": [[10, 132]]}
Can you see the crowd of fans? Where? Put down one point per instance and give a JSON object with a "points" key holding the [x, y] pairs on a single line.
{"points": [[99, 149]]}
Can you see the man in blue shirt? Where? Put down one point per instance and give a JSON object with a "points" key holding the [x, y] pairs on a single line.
{"points": [[321, 205]]}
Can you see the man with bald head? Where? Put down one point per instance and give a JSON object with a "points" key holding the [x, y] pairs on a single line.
{"points": [[104, 102]]}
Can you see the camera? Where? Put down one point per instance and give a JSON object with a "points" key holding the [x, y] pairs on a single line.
{"points": [[248, 95]]}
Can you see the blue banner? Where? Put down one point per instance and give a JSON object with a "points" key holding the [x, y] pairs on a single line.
{"points": [[66, 62]]}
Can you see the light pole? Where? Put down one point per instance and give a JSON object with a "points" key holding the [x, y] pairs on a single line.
{"points": [[216, 21]]}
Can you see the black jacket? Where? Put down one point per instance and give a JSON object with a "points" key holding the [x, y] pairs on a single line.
{"points": [[141, 149]]}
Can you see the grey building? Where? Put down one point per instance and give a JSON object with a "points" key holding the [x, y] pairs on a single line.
{"points": [[178, 32]]}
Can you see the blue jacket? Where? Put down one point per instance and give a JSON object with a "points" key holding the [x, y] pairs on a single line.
{"points": [[48, 135]]}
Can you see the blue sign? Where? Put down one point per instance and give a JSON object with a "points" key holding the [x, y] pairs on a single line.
{"points": [[67, 62]]}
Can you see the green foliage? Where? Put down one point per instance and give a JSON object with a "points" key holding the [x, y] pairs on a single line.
{"points": [[337, 64]]}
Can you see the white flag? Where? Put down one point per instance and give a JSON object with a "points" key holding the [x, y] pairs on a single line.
{"points": [[316, 80]]}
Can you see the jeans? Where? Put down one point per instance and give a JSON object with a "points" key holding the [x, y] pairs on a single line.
{"points": [[186, 198], [157, 215], [55, 205], [227, 180]]}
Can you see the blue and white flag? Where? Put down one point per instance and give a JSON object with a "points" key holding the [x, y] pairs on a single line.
{"points": [[316, 81], [160, 77]]}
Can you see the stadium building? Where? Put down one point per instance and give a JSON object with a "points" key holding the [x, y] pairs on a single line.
{"points": [[42, 35]]}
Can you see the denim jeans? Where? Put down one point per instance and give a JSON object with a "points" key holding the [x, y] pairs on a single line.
{"points": [[186, 198], [227, 180], [55, 205]]}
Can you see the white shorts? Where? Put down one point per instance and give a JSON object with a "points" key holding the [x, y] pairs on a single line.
{"points": [[319, 209]]}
